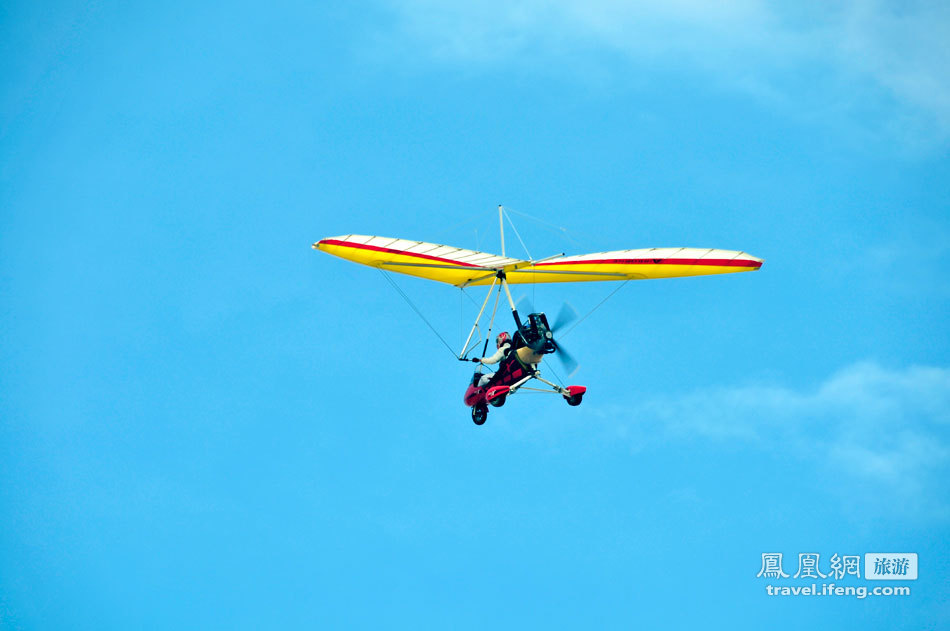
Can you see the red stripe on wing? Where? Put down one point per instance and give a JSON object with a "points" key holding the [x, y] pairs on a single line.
{"points": [[714, 262]]}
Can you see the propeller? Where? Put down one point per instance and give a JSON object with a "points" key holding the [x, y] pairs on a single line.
{"points": [[565, 316]]}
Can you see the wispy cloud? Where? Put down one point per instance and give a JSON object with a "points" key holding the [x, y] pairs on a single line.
{"points": [[865, 422], [826, 56]]}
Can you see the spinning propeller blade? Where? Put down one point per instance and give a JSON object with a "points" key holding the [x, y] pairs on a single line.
{"points": [[565, 317], [524, 305], [567, 360]]}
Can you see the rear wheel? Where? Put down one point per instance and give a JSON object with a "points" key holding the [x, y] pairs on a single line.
{"points": [[574, 399], [498, 401], [479, 414]]}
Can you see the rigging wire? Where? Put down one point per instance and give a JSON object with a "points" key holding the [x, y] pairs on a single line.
{"points": [[556, 375], [559, 229], [520, 240], [416, 309], [470, 299], [597, 306]]}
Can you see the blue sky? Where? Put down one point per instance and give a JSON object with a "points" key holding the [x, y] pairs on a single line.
{"points": [[204, 423]]}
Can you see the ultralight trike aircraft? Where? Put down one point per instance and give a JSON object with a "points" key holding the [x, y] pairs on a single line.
{"points": [[534, 337]]}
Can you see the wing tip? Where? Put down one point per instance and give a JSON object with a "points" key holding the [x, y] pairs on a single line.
{"points": [[327, 241]]}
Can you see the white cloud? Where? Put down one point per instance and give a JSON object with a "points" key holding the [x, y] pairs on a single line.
{"points": [[822, 56], [865, 422]]}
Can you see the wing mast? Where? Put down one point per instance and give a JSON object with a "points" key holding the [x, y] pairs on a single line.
{"points": [[501, 273], [501, 227]]}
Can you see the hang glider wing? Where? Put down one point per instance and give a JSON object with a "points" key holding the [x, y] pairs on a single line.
{"points": [[460, 267]]}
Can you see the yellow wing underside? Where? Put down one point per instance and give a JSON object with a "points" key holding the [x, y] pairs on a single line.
{"points": [[466, 267]]}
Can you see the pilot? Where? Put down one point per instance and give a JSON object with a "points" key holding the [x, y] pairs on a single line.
{"points": [[503, 344]]}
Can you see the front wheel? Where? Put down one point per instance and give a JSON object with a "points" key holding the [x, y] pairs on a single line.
{"points": [[479, 414]]}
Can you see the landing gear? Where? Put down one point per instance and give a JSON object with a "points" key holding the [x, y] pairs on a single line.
{"points": [[479, 414], [573, 394], [498, 401]]}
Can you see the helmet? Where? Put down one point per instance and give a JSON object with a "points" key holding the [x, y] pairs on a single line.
{"points": [[502, 339]]}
